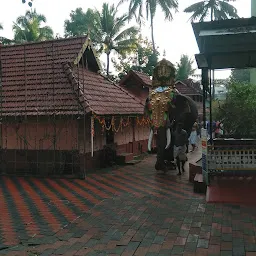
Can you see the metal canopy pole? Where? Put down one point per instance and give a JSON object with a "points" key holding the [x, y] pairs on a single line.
{"points": [[205, 83], [210, 102]]}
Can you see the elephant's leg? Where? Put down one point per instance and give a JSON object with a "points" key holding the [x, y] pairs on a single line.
{"points": [[161, 144]]}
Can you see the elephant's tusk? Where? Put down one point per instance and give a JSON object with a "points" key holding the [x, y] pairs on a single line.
{"points": [[168, 136], [150, 139]]}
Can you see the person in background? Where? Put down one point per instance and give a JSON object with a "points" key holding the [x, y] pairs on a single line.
{"points": [[179, 151], [199, 127], [217, 130], [193, 136]]}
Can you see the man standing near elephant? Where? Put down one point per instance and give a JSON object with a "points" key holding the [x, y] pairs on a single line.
{"points": [[180, 142]]}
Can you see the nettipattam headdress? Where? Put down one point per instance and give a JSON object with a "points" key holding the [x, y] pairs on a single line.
{"points": [[164, 74]]}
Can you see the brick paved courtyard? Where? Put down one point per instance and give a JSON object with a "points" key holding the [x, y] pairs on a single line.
{"points": [[127, 211]]}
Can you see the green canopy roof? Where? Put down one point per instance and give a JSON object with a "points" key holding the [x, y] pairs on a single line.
{"points": [[226, 43]]}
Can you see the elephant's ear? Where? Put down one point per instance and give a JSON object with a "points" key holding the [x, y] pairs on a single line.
{"points": [[182, 103]]}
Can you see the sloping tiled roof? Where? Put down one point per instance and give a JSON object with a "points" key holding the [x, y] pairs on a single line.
{"points": [[101, 96], [186, 89], [144, 77], [137, 76], [193, 84], [35, 82]]}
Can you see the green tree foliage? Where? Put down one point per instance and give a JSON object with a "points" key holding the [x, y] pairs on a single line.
{"points": [[28, 28], [185, 67], [238, 111], [82, 23], [138, 7], [143, 59], [240, 75], [107, 30], [213, 9]]}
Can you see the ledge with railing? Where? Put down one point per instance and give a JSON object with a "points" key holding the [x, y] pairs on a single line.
{"points": [[232, 156]]}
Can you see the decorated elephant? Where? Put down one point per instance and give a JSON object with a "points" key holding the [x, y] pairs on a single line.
{"points": [[165, 107]]}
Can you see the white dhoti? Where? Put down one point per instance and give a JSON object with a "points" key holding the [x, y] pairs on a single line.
{"points": [[180, 152]]}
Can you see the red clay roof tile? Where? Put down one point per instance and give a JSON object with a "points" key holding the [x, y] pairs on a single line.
{"points": [[144, 77], [187, 87], [105, 97], [34, 82], [136, 76]]}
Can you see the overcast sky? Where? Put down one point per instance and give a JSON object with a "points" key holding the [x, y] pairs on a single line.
{"points": [[174, 37]]}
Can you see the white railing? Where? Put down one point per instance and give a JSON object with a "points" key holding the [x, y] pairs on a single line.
{"points": [[235, 159]]}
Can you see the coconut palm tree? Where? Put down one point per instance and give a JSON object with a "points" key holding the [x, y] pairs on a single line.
{"points": [[213, 9], [28, 28], [112, 34], [108, 31], [137, 7]]}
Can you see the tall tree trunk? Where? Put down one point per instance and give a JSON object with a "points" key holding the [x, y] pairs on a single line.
{"points": [[152, 32], [108, 53]]}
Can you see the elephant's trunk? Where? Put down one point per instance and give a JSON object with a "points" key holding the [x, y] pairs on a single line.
{"points": [[168, 138], [150, 139]]}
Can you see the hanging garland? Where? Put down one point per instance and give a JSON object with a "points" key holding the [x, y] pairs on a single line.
{"points": [[110, 123]]}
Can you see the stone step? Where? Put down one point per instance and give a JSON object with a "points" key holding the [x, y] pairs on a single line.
{"points": [[199, 184], [193, 170], [123, 158], [133, 162]]}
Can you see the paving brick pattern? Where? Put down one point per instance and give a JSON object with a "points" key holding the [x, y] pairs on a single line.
{"points": [[128, 211]]}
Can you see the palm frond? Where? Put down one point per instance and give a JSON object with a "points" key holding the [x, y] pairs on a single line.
{"points": [[119, 23], [28, 28], [131, 31], [1, 26], [221, 9], [136, 5], [152, 9], [45, 33], [228, 9], [195, 7], [5, 41], [121, 2], [167, 6]]}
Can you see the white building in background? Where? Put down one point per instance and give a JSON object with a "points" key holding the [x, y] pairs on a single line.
{"points": [[220, 89], [220, 92]]}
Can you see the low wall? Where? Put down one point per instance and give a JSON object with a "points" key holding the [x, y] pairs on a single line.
{"points": [[59, 162], [39, 162], [97, 162]]}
